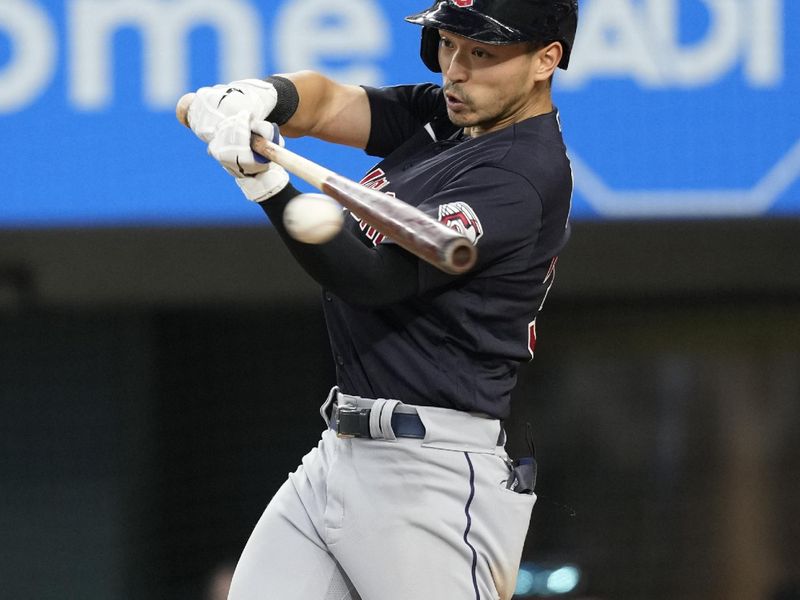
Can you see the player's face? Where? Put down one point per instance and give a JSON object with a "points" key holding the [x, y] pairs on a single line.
{"points": [[488, 87]]}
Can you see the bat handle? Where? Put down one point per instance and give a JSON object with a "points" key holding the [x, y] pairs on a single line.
{"points": [[294, 163], [182, 108]]}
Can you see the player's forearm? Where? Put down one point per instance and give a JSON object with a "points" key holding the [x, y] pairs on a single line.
{"points": [[328, 110], [358, 274]]}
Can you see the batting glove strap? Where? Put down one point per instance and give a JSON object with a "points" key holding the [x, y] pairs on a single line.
{"points": [[265, 185]]}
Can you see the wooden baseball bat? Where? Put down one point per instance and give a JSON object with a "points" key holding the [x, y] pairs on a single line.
{"points": [[406, 225]]}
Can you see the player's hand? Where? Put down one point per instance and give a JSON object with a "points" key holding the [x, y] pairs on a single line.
{"points": [[258, 178], [213, 104]]}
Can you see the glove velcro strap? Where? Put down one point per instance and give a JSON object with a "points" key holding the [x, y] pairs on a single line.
{"points": [[264, 185]]}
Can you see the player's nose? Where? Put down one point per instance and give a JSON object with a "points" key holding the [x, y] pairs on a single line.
{"points": [[454, 69]]}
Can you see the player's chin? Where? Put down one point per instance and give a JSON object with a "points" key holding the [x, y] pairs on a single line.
{"points": [[473, 121], [462, 118]]}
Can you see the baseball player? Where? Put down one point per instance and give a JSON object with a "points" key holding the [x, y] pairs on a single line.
{"points": [[410, 493]]}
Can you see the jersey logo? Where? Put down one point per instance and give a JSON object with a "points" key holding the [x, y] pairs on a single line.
{"points": [[463, 3], [375, 180], [461, 217]]}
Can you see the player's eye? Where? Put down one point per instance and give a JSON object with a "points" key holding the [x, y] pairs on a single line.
{"points": [[481, 53], [445, 43]]}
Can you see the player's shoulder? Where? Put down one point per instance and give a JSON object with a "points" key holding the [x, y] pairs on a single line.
{"points": [[423, 100], [532, 154], [534, 148], [541, 133]]}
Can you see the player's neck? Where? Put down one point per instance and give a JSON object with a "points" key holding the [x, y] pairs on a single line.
{"points": [[539, 104]]}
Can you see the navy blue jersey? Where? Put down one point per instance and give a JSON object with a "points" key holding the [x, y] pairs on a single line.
{"points": [[457, 343]]}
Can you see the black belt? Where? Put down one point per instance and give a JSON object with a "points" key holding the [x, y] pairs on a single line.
{"points": [[353, 422]]}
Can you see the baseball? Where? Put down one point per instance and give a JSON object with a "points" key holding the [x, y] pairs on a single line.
{"points": [[313, 218]]}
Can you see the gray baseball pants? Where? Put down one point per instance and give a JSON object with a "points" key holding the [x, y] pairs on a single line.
{"points": [[392, 519]]}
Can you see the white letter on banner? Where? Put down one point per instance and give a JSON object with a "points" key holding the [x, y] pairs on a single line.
{"points": [[702, 63], [310, 32], [164, 25], [33, 53], [641, 40], [765, 59], [613, 41]]}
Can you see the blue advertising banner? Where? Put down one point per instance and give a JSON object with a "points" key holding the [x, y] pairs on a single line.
{"points": [[671, 108]]}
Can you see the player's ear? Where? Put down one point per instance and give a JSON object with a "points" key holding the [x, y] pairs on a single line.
{"points": [[547, 60]]}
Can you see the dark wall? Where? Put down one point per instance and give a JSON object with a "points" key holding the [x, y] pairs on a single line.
{"points": [[201, 267], [157, 385]]}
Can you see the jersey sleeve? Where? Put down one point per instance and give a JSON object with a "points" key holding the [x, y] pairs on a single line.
{"points": [[399, 112], [497, 210]]}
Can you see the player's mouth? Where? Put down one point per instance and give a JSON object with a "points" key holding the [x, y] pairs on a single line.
{"points": [[454, 103]]}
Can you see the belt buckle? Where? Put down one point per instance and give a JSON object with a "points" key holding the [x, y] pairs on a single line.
{"points": [[354, 421]]}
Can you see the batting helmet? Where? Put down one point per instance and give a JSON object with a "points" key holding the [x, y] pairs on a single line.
{"points": [[498, 22]]}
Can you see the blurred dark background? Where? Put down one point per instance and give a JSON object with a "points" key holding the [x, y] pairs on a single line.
{"points": [[157, 385]]}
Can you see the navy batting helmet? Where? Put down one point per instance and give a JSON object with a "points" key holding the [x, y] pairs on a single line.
{"points": [[498, 22]]}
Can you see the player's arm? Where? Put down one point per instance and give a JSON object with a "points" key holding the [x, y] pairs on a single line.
{"points": [[328, 110], [357, 273], [302, 103]]}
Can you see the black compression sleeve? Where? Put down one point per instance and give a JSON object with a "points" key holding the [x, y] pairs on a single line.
{"points": [[356, 273]]}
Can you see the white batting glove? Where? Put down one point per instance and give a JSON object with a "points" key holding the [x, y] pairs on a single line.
{"points": [[213, 104], [258, 178]]}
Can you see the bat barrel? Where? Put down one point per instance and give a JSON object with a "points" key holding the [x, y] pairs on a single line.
{"points": [[405, 225], [458, 256]]}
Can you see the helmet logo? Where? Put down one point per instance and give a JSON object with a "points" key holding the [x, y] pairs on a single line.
{"points": [[463, 3]]}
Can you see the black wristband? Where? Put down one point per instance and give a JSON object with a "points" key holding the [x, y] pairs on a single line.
{"points": [[288, 99]]}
